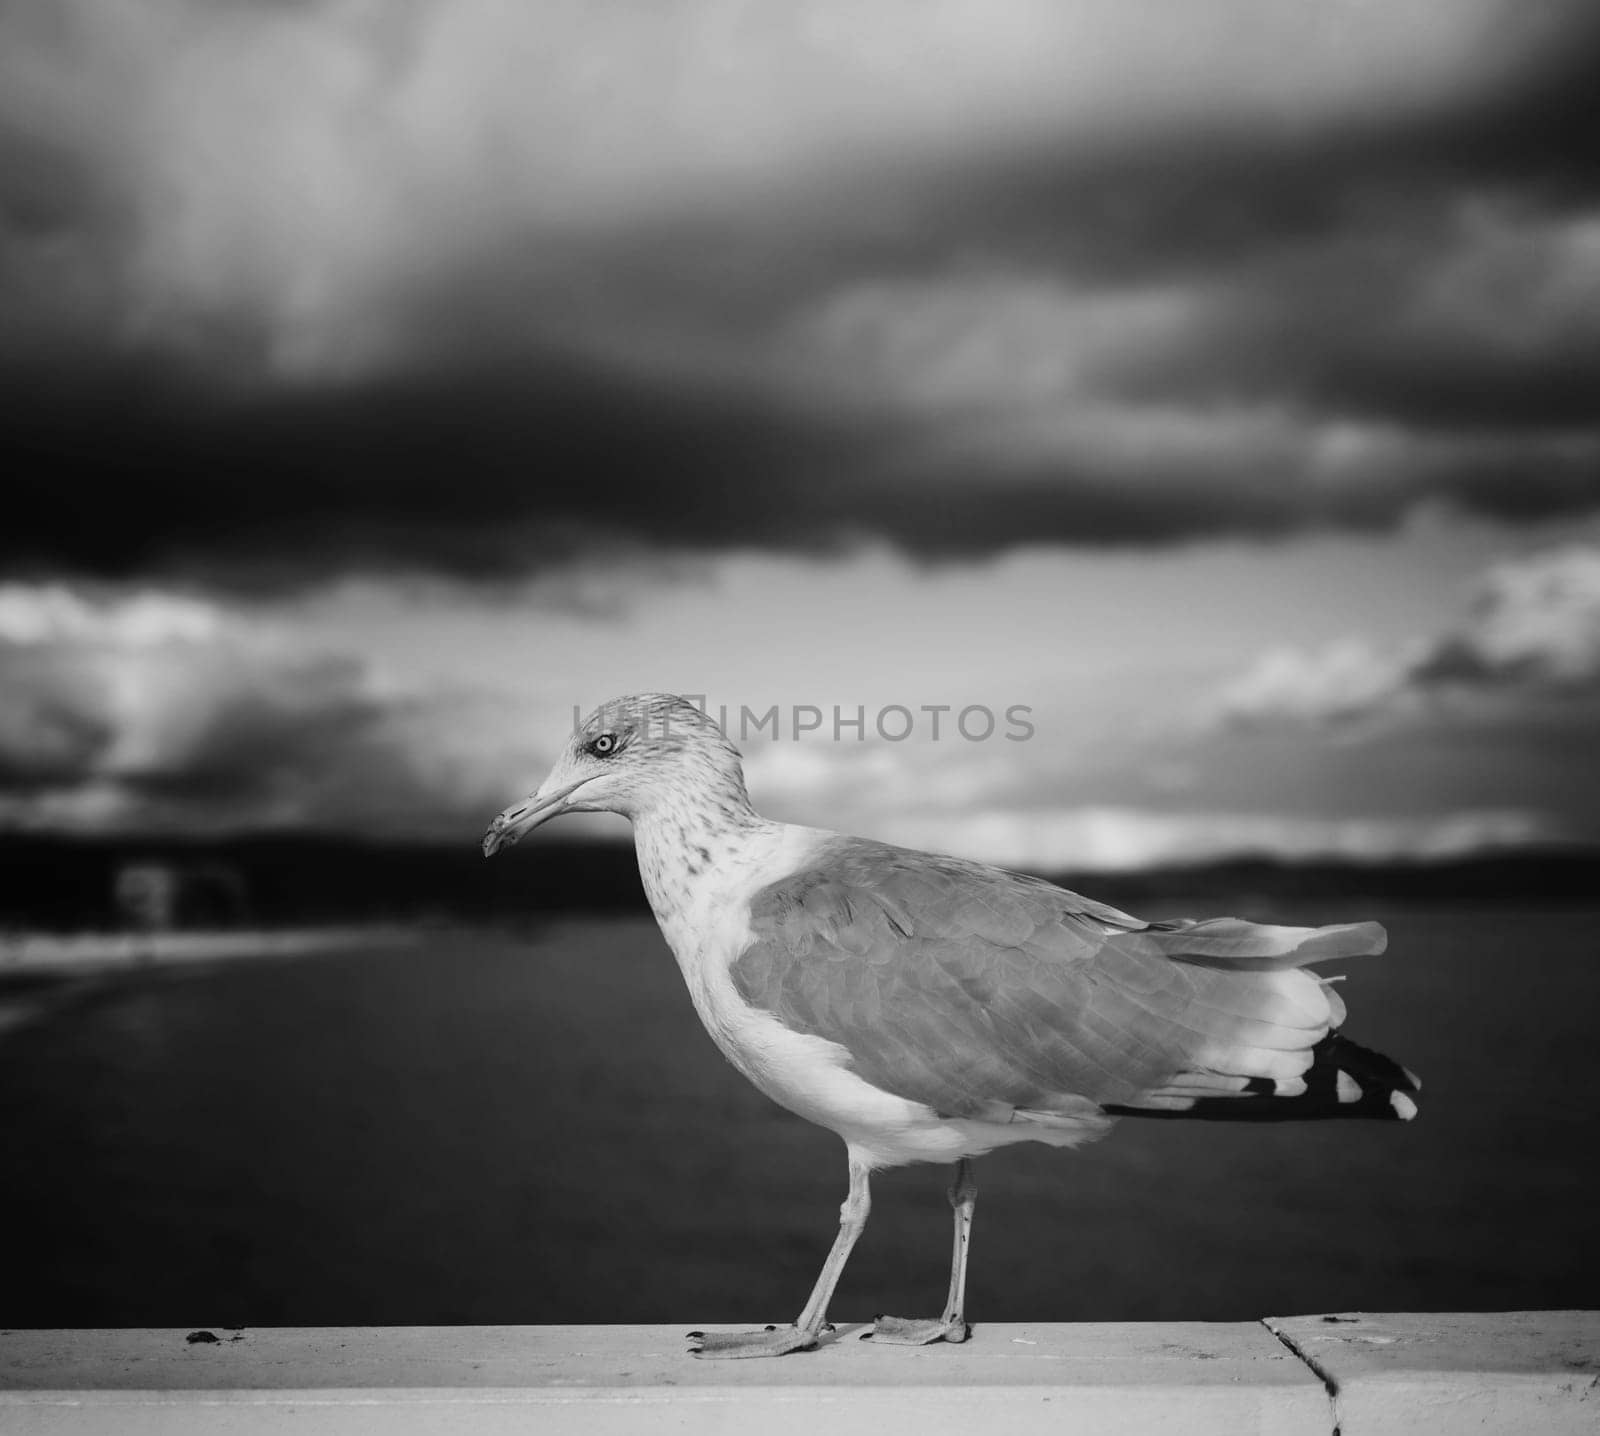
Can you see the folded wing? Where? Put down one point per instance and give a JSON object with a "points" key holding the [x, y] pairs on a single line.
{"points": [[991, 995]]}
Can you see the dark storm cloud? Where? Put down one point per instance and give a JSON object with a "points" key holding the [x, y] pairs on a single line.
{"points": [[485, 478], [1221, 320], [479, 473]]}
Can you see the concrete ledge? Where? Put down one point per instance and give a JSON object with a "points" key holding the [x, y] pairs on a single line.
{"points": [[1525, 1372], [1490, 1372], [1187, 1377]]}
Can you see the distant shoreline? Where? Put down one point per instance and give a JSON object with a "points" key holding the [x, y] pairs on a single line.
{"points": [[53, 954], [318, 883]]}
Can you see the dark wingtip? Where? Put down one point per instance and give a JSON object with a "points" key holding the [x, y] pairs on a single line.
{"points": [[1344, 1080]]}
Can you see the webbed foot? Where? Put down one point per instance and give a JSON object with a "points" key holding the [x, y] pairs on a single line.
{"points": [[736, 1345], [905, 1331]]}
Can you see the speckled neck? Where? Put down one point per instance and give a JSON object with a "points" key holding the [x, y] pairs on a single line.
{"points": [[692, 840]]}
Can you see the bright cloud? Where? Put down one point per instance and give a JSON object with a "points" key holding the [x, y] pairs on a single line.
{"points": [[1532, 635], [1111, 839], [149, 710]]}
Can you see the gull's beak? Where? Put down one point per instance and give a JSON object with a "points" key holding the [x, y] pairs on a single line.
{"points": [[525, 816]]}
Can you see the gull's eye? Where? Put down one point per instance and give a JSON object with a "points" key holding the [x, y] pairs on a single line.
{"points": [[604, 746]]}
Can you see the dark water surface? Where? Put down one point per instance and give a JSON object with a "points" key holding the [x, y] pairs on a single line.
{"points": [[492, 1127]]}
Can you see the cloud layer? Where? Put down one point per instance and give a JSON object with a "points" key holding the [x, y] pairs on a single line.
{"points": [[1529, 646], [1127, 839], [1226, 312], [150, 711], [492, 284], [139, 709]]}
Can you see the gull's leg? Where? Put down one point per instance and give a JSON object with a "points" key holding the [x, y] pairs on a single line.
{"points": [[952, 1326], [963, 1200], [802, 1336]]}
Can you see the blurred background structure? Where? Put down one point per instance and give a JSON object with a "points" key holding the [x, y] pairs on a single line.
{"points": [[382, 380]]}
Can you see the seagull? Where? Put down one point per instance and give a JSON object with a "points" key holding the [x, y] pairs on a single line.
{"points": [[930, 1009]]}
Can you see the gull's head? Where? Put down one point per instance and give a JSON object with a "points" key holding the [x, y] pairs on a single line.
{"points": [[632, 756]]}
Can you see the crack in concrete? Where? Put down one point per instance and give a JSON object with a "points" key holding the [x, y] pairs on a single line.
{"points": [[1329, 1384]]}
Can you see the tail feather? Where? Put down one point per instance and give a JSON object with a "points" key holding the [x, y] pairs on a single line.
{"points": [[1269, 1047], [1343, 1080], [1253, 946]]}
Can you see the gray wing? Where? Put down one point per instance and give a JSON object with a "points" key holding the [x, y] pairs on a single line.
{"points": [[981, 992]]}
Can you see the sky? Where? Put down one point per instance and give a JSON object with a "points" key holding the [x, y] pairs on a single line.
{"points": [[1219, 383]]}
